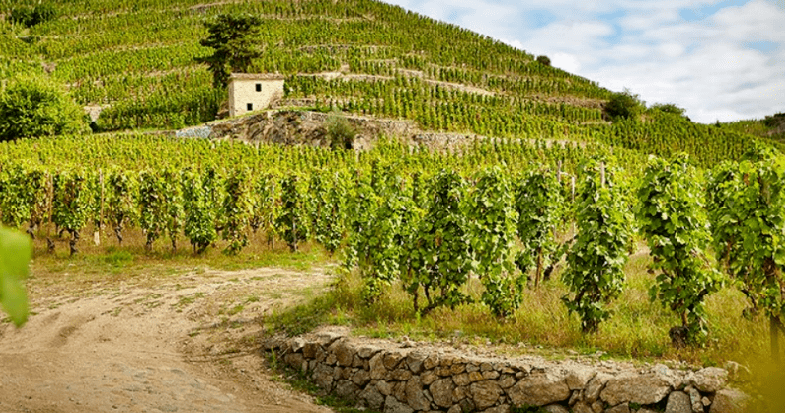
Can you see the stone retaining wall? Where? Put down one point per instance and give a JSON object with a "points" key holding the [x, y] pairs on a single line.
{"points": [[414, 377]]}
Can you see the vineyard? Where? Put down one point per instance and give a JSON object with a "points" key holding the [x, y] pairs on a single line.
{"points": [[507, 213], [554, 190], [137, 61]]}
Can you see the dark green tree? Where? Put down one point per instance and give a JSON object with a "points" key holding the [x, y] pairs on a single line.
{"points": [[235, 43], [33, 107], [624, 105], [544, 60]]}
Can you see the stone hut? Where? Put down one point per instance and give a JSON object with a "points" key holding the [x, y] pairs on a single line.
{"points": [[253, 91]]}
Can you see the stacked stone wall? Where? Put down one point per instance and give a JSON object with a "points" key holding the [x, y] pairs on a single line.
{"points": [[394, 378]]}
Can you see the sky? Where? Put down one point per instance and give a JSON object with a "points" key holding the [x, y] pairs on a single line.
{"points": [[718, 59]]}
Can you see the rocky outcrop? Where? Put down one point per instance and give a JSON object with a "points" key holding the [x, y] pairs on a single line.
{"points": [[291, 127], [388, 377]]}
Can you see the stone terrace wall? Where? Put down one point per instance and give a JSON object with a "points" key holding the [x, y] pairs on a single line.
{"points": [[410, 378]]}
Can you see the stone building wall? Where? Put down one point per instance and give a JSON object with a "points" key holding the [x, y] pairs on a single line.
{"points": [[258, 90], [393, 378]]}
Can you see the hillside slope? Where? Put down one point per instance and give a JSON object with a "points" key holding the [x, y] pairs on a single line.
{"points": [[136, 59]]}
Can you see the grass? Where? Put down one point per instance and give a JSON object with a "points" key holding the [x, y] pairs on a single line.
{"points": [[112, 262], [638, 328]]}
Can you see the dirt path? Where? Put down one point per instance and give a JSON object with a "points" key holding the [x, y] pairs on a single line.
{"points": [[184, 343]]}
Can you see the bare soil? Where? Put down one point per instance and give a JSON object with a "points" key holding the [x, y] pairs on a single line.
{"points": [[166, 343]]}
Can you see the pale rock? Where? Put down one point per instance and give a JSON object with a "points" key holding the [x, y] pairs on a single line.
{"points": [[472, 367], [377, 369], [326, 338], [428, 377], [441, 390], [582, 407], [710, 379], [392, 405], [475, 376], [577, 395], [372, 397], [461, 379], [415, 361], [485, 393], [367, 351], [331, 359], [729, 401], [454, 409], [392, 359], [385, 387], [695, 399], [647, 388], [323, 376], [678, 402], [555, 408], [401, 374], [486, 367], [597, 406], [505, 408], [539, 390], [457, 368], [346, 389], [596, 385], [506, 382], [621, 408], [490, 375], [459, 393], [646, 410], [343, 352], [430, 362], [361, 377], [297, 344], [415, 397], [579, 376], [399, 390]]}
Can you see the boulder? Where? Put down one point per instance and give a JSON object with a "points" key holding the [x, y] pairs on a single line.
{"points": [[730, 401], [415, 397], [622, 408], [539, 390], [647, 388], [710, 379], [372, 397], [441, 390], [485, 393], [678, 402]]}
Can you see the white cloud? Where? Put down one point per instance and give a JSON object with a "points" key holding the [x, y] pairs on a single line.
{"points": [[709, 65]]}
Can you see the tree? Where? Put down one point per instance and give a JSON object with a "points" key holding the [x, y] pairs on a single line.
{"points": [[32, 107], [544, 60], [235, 42], [624, 105], [30, 17]]}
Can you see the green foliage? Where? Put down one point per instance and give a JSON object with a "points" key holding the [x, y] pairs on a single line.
{"points": [[15, 254], [747, 207], [340, 133], [234, 40], [32, 16], [544, 60], [539, 204], [200, 215], [624, 105], [671, 216], [32, 107], [595, 262], [121, 202], [237, 208], [668, 108], [71, 204], [292, 222], [439, 257], [492, 219], [775, 120]]}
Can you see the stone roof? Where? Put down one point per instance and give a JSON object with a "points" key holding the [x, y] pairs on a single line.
{"points": [[256, 76]]}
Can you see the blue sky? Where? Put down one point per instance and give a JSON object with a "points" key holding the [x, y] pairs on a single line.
{"points": [[719, 59]]}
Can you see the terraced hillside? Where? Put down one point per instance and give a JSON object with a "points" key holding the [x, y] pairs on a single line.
{"points": [[135, 58]]}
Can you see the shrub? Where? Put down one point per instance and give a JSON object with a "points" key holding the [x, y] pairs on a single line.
{"points": [[340, 132], [30, 17], [544, 60], [624, 105], [33, 107]]}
